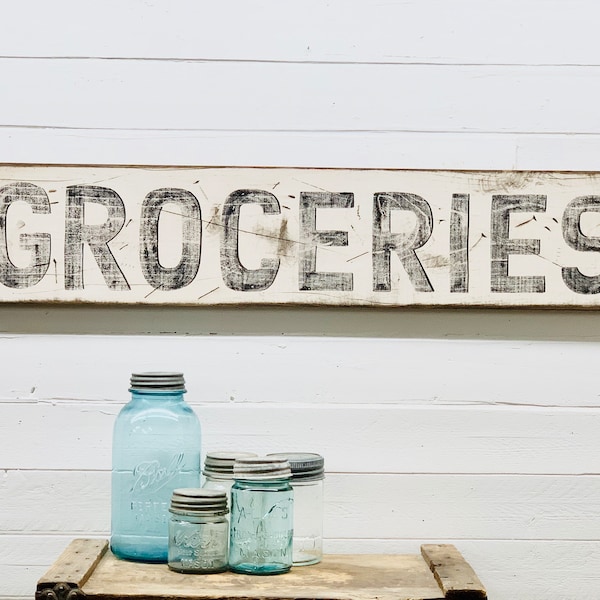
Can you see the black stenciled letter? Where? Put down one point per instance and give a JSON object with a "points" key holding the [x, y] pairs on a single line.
{"points": [[309, 277], [384, 241], [38, 244], [235, 275], [459, 243], [159, 277], [503, 246], [571, 228], [78, 233]]}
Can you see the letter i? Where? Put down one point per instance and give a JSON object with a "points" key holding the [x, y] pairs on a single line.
{"points": [[459, 243]]}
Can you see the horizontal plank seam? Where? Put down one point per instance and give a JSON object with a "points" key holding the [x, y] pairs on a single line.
{"points": [[407, 403], [426, 404], [458, 131], [383, 63]]}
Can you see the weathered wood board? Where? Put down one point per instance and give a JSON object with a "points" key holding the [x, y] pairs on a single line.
{"points": [[87, 569], [222, 236], [453, 573]]}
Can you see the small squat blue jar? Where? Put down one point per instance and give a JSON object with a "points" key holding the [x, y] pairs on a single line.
{"points": [[198, 531], [261, 522]]}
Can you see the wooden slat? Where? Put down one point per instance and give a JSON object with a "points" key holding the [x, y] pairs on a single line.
{"points": [[126, 94], [453, 573], [346, 149], [73, 567], [427, 507], [373, 371], [309, 30], [337, 577], [509, 439]]}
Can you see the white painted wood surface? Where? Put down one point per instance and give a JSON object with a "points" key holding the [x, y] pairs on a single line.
{"points": [[296, 97], [341, 31], [488, 441]]}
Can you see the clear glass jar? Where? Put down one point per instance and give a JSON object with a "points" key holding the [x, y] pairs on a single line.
{"points": [[156, 449], [218, 469], [261, 530], [307, 482], [198, 531]]}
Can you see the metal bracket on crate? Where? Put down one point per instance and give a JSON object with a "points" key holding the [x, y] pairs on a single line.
{"points": [[60, 591]]}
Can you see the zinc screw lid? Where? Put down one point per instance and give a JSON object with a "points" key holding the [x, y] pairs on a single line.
{"points": [[199, 500], [261, 468], [219, 465], [305, 466], [157, 380]]}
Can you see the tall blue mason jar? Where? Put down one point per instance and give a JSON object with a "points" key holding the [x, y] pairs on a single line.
{"points": [[156, 449]]}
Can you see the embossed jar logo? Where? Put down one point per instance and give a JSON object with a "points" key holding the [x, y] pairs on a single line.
{"points": [[150, 476]]}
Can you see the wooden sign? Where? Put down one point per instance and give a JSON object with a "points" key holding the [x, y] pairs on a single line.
{"points": [[218, 236]]}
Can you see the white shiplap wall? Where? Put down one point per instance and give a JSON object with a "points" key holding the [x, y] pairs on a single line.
{"points": [[476, 427]]}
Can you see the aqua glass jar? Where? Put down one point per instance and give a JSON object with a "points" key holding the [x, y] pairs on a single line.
{"points": [[218, 469], [307, 482], [156, 449], [261, 521], [198, 531]]}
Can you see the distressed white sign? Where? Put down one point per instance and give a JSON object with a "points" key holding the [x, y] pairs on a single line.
{"points": [[217, 236]]}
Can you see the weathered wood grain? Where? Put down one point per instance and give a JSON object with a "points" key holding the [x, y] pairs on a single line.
{"points": [[71, 570], [337, 577], [453, 573], [550, 568]]}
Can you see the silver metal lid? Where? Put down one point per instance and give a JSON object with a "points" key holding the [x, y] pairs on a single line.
{"points": [[305, 466], [157, 380], [261, 468], [199, 500], [219, 465]]}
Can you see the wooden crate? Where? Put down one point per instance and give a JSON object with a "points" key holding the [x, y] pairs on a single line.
{"points": [[87, 569]]}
